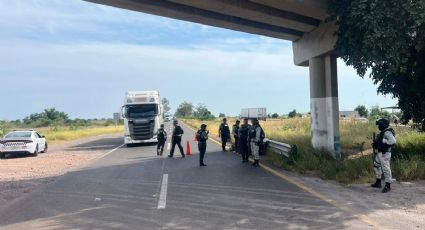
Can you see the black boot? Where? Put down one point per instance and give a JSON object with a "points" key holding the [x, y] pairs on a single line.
{"points": [[387, 188], [256, 162], [377, 184]]}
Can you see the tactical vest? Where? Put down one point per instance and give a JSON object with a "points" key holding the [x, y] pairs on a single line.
{"points": [[253, 132], [244, 132], [383, 148], [178, 131]]}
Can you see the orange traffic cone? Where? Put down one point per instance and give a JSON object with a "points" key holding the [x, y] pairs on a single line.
{"points": [[188, 152]]}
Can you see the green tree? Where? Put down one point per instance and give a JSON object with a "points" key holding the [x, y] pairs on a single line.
{"points": [[49, 116], [376, 113], [166, 105], [361, 109], [185, 109], [292, 114], [275, 115], [387, 38], [221, 115], [202, 112]]}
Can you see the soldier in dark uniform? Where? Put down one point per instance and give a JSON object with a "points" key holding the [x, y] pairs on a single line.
{"points": [[202, 137], [162, 138], [235, 132], [176, 139], [224, 133], [243, 134]]}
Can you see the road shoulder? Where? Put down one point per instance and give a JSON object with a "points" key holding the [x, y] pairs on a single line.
{"points": [[22, 174]]}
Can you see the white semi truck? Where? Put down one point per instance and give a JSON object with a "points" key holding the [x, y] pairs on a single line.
{"points": [[143, 114]]}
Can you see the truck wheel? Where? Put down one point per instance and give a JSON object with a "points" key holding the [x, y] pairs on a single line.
{"points": [[129, 145], [2, 155]]}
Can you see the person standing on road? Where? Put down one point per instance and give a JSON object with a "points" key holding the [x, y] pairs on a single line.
{"points": [[381, 163], [224, 133], [255, 138], [243, 135], [176, 139], [235, 132], [202, 137], [162, 138]]}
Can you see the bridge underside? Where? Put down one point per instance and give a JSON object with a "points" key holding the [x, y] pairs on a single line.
{"points": [[299, 21]]}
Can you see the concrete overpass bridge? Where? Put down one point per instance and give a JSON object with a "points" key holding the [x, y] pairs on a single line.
{"points": [[299, 21]]}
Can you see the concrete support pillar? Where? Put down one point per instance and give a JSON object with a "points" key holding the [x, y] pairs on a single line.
{"points": [[324, 104]]}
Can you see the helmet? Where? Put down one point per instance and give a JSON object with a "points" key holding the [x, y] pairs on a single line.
{"points": [[382, 124], [203, 126], [162, 125]]}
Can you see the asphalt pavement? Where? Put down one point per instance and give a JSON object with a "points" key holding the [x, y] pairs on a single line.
{"points": [[133, 188]]}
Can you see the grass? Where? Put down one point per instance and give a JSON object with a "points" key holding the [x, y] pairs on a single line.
{"points": [[56, 135], [408, 161]]}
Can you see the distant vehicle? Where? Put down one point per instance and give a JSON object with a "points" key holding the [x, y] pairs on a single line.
{"points": [[143, 114], [23, 142], [167, 117], [250, 113]]}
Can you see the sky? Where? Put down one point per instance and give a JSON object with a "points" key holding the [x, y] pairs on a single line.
{"points": [[81, 58]]}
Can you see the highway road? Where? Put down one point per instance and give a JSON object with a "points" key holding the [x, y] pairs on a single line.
{"points": [[132, 188]]}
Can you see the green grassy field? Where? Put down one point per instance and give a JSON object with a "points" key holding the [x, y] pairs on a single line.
{"points": [[408, 157]]}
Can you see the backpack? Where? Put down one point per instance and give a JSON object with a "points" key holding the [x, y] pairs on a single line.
{"points": [[161, 135], [199, 136]]}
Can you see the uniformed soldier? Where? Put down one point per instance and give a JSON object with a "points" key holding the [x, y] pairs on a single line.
{"points": [[255, 138], [176, 139], [224, 133], [381, 163], [202, 137], [235, 132], [162, 138], [244, 140]]}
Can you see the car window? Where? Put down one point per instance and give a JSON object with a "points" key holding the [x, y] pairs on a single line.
{"points": [[18, 134]]}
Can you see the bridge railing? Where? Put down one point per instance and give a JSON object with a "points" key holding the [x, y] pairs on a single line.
{"points": [[281, 148]]}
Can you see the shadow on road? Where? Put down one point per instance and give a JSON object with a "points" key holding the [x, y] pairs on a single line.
{"points": [[121, 191]]}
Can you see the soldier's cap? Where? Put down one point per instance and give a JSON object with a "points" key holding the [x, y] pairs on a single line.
{"points": [[203, 126], [162, 125], [224, 119], [238, 121]]}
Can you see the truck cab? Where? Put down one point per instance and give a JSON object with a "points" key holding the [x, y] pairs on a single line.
{"points": [[142, 113]]}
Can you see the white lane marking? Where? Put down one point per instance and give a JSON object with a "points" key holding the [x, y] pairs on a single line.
{"points": [[90, 147], [168, 146], [111, 151], [163, 192]]}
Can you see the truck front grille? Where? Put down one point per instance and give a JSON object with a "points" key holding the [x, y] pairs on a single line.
{"points": [[142, 131]]}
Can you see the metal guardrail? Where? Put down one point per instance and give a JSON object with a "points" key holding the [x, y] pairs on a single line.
{"points": [[281, 148]]}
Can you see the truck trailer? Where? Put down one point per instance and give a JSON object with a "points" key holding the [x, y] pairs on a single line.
{"points": [[250, 113]]}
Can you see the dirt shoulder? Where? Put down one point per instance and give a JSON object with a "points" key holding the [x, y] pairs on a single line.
{"points": [[21, 174], [402, 208]]}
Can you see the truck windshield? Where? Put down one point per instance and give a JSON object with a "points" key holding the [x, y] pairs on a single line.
{"points": [[141, 111]]}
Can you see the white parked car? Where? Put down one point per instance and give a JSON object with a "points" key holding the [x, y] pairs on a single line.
{"points": [[23, 142]]}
